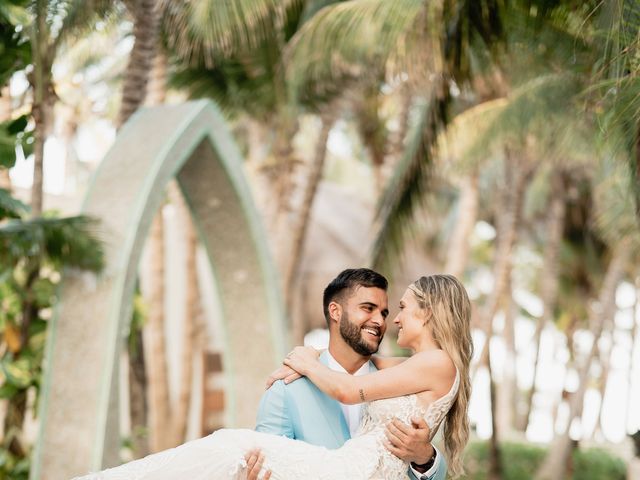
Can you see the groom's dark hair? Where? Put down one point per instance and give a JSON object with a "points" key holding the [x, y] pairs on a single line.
{"points": [[346, 282]]}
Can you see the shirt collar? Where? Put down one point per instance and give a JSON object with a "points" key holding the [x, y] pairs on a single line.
{"points": [[334, 365]]}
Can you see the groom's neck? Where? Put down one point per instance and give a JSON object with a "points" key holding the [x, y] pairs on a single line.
{"points": [[350, 360]]}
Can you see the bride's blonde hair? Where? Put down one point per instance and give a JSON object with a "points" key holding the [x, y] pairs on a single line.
{"points": [[450, 320]]}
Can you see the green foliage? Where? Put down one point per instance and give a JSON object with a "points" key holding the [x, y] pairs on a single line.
{"points": [[522, 460], [33, 252], [15, 52], [14, 133], [67, 242]]}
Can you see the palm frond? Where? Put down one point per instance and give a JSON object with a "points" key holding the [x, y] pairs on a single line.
{"points": [[351, 39], [208, 30], [77, 17], [614, 203], [11, 207], [66, 242], [544, 113], [406, 189]]}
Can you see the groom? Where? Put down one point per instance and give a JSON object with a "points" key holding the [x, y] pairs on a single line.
{"points": [[355, 307]]}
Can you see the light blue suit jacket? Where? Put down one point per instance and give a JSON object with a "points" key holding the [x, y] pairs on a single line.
{"points": [[300, 410]]}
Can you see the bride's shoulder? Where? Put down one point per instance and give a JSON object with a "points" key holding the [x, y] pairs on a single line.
{"points": [[438, 364]]}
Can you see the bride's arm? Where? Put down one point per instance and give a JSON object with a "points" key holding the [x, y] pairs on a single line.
{"points": [[424, 371], [385, 362]]}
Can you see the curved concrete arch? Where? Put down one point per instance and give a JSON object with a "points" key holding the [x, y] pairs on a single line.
{"points": [[190, 142]]}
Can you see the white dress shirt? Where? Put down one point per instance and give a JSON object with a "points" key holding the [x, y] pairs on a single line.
{"points": [[352, 413]]}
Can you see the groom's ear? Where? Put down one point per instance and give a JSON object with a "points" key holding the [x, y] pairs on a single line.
{"points": [[335, 311]]}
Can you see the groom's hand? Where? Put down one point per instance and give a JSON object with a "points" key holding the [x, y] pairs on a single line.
{"points": [[255, 460], [410, 443]]}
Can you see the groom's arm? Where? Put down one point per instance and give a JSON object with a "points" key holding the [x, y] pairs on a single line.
{"points": [[273, 413], [411, 443], [273, 417]]}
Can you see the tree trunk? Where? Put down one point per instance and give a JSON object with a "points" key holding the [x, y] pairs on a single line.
{"points": [[458, 252], [605, 364], [138, 406], [516, 181], [180, 414], [157, 88], [284, 164], [548, 275], [565, 394], [554, 466], [154, 342], [42, 105], [136, 76], [634, 342], [507, 393], [134, 92], [300, 231]]}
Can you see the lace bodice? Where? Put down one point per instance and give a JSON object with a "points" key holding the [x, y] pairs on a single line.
{"points": [[221, 454], [378, 413]]}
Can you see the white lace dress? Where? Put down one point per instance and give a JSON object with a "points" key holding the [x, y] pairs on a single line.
{"points": [[221, 454]]}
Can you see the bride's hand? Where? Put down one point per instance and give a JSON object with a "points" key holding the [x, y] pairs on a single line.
{"points": [[287, 374], [302, 359]]}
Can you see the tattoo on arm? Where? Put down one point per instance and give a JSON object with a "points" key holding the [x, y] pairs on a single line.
{"points": [[362, 395]]}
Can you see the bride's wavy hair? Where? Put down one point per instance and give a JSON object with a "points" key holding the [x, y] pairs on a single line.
{"points": [[450, 322]]}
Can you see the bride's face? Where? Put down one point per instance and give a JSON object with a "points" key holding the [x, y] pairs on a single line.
{"points": [[411, 321]]}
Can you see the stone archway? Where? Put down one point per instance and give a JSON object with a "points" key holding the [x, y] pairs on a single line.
{"points": [[190, 142]]}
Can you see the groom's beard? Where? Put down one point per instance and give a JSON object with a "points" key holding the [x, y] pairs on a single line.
{"points": [[352, 334]]}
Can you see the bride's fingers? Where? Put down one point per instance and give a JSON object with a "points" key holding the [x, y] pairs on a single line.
{"points": [[292, 378], [254, 467], [281, 373]]}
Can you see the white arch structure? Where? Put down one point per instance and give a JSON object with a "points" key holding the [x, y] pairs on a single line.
{"points": [[190, 142]]}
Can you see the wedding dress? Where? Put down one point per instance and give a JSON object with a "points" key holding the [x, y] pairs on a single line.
{"points": [[221, 454]]}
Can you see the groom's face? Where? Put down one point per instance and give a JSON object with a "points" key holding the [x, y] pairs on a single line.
{"points": [[363, 319]]}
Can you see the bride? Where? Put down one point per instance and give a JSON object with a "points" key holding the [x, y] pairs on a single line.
{"points": [[434, 322]]}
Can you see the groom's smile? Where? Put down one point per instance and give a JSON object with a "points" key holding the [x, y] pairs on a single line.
{"points": [[362, 324]]}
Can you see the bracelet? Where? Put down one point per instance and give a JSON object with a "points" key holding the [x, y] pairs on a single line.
{"points": [[429, 463]]}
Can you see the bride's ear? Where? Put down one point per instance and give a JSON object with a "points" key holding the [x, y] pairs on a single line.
{"points": [[428, 314]]}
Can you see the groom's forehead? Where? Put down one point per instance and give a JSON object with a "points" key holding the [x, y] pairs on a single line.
{"points": [[373, 295]]}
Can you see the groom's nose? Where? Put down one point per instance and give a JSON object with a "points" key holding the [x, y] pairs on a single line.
{"points": [[378, 319]]}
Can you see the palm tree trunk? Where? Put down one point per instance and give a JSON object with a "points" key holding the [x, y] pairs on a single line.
{"points": [[458, 252], [134, 92], [565, 394], [516, 179], [138, 406], [157, 88], [554, 466], [180, 414], [548, 275], [154, 342], [302, 226], [605, 363], [42, 102], [634, 342], [136, 76], [507, 394]]}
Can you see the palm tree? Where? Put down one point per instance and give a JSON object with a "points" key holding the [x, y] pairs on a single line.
{"points": [[614, 215], [51, 24]]}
